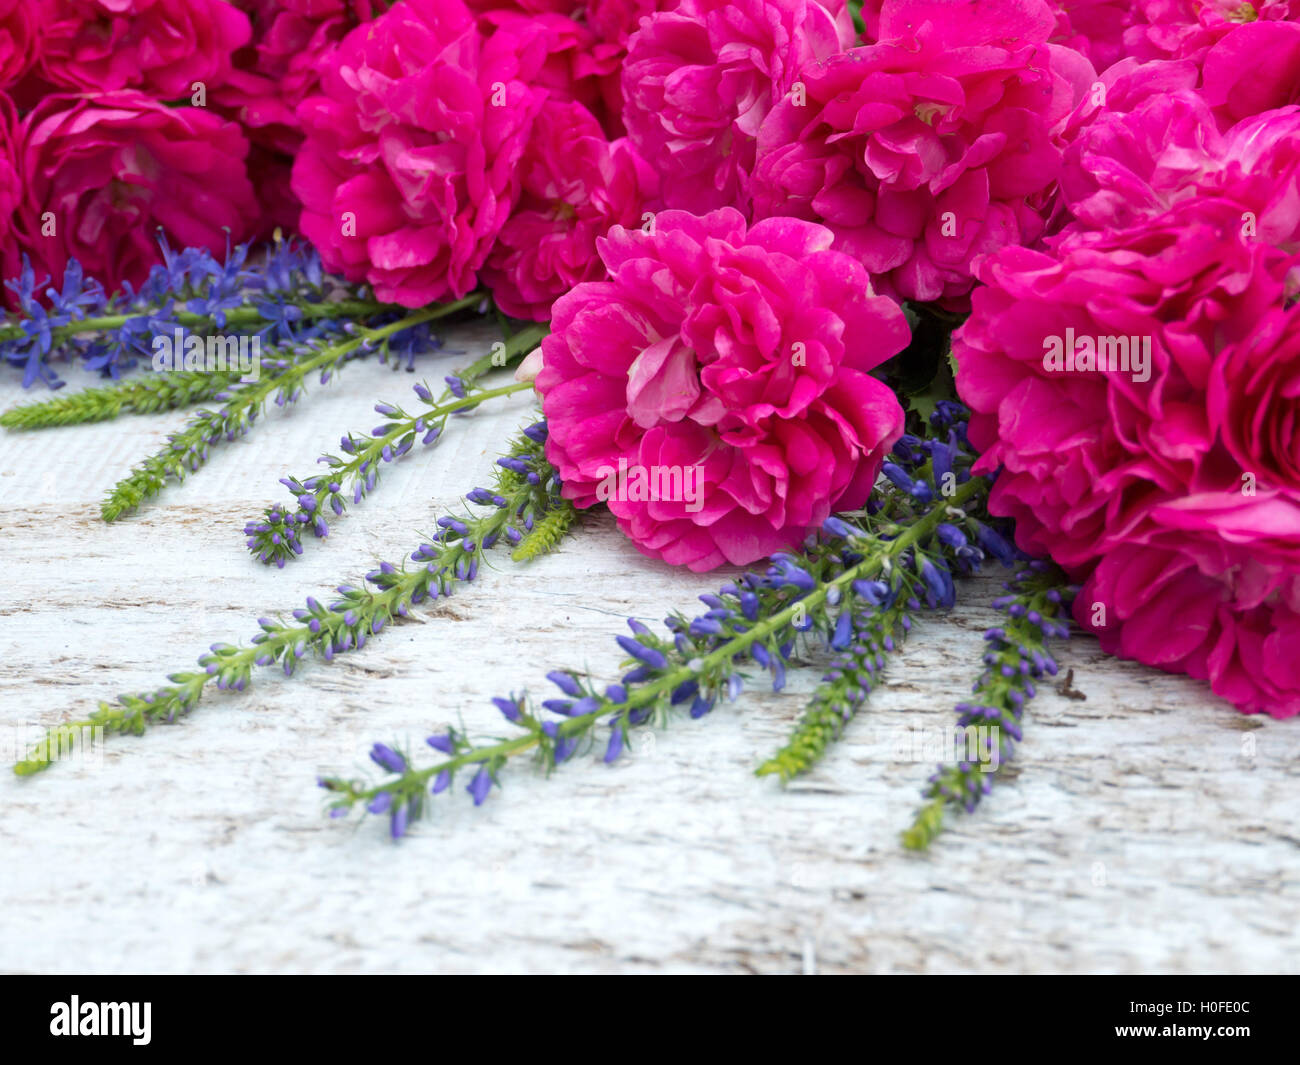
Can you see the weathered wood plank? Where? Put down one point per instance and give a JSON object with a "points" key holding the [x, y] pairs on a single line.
{"points": [[1136, 832]]}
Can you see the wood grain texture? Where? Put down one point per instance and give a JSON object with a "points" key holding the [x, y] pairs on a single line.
{"points": [[1149, 827]]}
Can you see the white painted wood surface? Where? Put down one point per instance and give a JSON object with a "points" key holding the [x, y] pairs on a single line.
{"points": [[1136, 831]]}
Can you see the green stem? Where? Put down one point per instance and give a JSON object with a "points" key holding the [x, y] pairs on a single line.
{"points": [[155, 392], [829, 710], [407, 425], [135, 714], [276, 642], [650, 693], [519, 343], [236, 316], [954, 785], [146, 480], [258, 392], [274, 539], [145, 395]]}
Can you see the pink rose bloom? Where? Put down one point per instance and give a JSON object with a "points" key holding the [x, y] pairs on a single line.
{"points": [[409, 167], [278, 69], [700, 79], [1171, 614], [588, 53], [1254, 68], [1095, 28], [159, 46], [532, 7], [929, 148], [576, 185], [292, 41], [1187, 29], [732, 364], [567, 73], [18, 40], [1249, 69], [613, 22], [1121, 87], [12, 193], [104, 173], [1168, 487], [1124, 169], [1254, 400]]}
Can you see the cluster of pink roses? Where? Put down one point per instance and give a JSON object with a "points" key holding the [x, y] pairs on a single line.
{"points": [[808, 183], [1101, 171], [118, 117], [1174, 495], [447, 147], [721, 206]]}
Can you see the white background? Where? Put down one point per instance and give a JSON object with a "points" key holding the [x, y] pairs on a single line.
{"points": [[1135, 832]]}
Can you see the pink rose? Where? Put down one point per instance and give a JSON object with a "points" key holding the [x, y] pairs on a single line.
{"points": [[1095, 28], [576, 185], [929, 148], [1248, 69], [409, 167], [1254, 68], [700, 79], [715, 390], [1165, 480], [291, 42], [588, 45], [613, 22], [12, 193], [104, 173], [567, 73], [19, 42], [159, 46], [1126, 168], [1254, 400], [532, 7], [1167, 612], [278, 69], [1187, 29]]}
